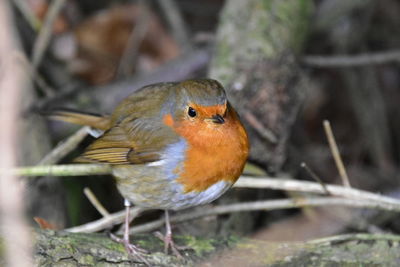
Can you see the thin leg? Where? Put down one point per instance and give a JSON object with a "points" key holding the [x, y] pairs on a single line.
{"points": [[127, 205], [130, 248], [168, 241], [168, 233]]}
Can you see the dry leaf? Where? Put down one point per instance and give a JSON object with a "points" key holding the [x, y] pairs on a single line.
{"points": [[102, 40], [43, 224]]}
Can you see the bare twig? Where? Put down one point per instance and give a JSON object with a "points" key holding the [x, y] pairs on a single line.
{"points": [[353, 61], [129, 57], [43, 39], [314, 176], [14, 229], [63, 170], [261, 130], [311, 187], [105, 222], [335, 153], [95, 202], [65, 147], [264, 205], [26, 11], [176, 23]]}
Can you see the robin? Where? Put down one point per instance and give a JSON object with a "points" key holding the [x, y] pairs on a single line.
{"points": [[171, 146]]}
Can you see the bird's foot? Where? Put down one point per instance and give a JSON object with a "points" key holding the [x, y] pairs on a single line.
{"points": [[131, 249], [169, 243]]}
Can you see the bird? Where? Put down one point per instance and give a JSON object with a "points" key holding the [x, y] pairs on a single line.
{"points": [[171, 146]]}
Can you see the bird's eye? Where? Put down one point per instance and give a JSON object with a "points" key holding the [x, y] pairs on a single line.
{"points": [[191, 112]]}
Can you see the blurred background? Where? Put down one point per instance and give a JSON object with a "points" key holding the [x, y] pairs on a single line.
{"points": [[286, 66]]}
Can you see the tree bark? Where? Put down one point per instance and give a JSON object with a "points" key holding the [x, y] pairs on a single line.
{"points": [[256, 46], [70, 249]]}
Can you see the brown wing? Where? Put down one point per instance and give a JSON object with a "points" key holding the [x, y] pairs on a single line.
{"points": [[130, 142], [136, 133]]}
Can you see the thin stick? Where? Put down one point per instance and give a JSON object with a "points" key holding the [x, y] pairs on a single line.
{"points": [[95, 202], [315, 177], [27, 12], [352, 60], [105, 222], [64, 148], [43, 39], [311, 187], [64, 170], [267, 206], [336, 154], [176, 22], [138, 33], [257, 125]]}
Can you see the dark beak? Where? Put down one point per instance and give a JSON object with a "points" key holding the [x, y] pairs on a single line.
{"points": [[218, 119]]}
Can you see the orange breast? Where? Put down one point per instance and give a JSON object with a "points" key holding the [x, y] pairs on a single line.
{"points": [[214, 153]]}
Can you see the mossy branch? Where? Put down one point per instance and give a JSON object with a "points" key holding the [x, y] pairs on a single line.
{"points": [[64, 170], [70, 249]]}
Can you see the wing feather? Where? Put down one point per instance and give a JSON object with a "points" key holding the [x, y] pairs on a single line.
{"points": [[129, 143], [136, 133]]}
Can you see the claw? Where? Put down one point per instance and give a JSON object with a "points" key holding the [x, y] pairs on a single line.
{"points": [[169, 243], [168, 240], [128, 246], [131, 249]]}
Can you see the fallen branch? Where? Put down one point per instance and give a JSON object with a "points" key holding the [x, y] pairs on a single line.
{"points": [[311, 187], [266, 205]]}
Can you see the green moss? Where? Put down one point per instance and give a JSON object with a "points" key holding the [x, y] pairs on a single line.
{"points": [[86, 259], [200, 246]]}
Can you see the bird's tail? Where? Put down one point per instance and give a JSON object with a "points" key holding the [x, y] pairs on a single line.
{"points": [[93, 120]]}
